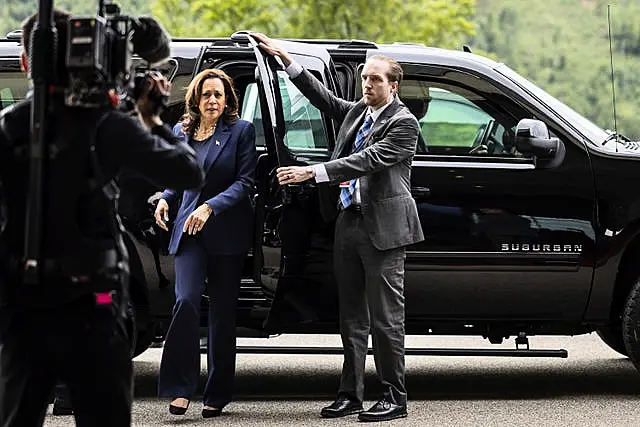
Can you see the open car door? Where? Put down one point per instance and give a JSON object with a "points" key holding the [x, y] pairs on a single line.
{"points": [[293, 247]]}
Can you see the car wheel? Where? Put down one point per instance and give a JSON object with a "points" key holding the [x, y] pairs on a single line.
{"points": [[612, 336], [140, 335], [631, 324], [144, 337], [132, 329]]}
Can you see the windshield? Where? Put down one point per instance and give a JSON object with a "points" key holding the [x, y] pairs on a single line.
{"points": [[587, 128]]}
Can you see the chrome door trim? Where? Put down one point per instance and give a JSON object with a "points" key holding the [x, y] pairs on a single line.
{"points": [[472, 165]]}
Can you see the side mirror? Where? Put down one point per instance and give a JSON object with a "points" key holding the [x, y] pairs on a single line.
{"points": [[532, 137]]}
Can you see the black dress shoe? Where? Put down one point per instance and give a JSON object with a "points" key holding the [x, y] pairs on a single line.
{"points": [[62, 401], [62, 406], [179, 410], [210, 413], [383, 410], [343, 406]]}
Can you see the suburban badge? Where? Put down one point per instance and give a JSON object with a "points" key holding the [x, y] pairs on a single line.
{"points": [[540, 247]]}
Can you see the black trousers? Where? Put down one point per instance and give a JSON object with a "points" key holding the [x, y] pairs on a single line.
{"points": [[180, 366], [80, 344]]}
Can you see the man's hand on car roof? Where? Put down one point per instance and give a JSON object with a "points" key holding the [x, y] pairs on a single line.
{"points": [[272, 48]]}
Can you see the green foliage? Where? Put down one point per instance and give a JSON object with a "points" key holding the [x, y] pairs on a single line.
{"points": [[563, 46], [449, 134], [13, 12], [215, 18], [176, 17], [434, 22]]}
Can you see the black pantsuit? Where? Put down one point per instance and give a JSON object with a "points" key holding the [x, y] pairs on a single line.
{"points": [[215, 253], [180, 368]]}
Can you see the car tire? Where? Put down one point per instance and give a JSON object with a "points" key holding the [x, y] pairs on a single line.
{"points": [[631, 324], [144, 337], [140, 336], [131, 328], [612, 336]]}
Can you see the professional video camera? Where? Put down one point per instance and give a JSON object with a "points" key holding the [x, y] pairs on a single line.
{"points": [[99, 57], [100, 72]]}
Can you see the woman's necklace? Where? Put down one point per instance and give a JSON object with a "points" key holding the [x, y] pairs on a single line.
{"points": [[202, 135]]}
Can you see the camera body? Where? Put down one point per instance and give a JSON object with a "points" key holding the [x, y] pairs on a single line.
{"points": [[99, 55]]}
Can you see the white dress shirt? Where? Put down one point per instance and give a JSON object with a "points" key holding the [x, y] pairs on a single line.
{"points": [[293, 70]]}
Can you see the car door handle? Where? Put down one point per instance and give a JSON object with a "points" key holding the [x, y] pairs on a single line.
{"points": [[420, 192], [302, 159]]}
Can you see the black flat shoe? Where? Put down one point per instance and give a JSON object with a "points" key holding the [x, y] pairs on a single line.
{"points": [[343, 406], [179, 410], [383, 410], [210, 413]]}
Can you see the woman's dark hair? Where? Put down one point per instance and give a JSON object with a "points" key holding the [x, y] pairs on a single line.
{"points": [[194, 93]]}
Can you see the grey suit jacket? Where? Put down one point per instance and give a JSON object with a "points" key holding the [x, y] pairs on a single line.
{"points": [[383, 166]]}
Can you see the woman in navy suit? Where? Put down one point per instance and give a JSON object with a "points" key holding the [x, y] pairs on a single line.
{"points": [[210, 238]]}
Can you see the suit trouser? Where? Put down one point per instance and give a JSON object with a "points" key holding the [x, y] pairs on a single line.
{"points": [[180, 365], [371, 298], [82, 345]]}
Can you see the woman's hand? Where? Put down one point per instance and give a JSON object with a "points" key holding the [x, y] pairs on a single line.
{"points": [[196, 220], [162, 214]]}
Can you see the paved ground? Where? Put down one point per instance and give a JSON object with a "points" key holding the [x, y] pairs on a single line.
{"points": [[593, 387]]}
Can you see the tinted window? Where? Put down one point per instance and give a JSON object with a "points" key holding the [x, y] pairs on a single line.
{"points": [[179, 89], [13, 87], [303, 121], [251, 112], [455, 120]]}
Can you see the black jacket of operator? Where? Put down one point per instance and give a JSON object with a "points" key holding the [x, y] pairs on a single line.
{"points": [[78, 216]]}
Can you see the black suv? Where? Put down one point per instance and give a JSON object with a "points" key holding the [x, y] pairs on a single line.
{"points": [[529, 228]]}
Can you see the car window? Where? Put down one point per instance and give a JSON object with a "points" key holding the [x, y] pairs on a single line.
{"points": [[13, 88], [252, 113], [454, 120], [179, 88], [303, 121]]}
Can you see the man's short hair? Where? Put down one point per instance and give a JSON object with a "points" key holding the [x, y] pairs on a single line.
{"points": [[60, 21], [395, 72]]}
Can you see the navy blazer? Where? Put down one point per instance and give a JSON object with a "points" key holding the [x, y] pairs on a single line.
{"points": [[229, 166]]}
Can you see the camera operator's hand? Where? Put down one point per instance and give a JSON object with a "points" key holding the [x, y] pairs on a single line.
{"points": [[162, 214], [156, 86]]}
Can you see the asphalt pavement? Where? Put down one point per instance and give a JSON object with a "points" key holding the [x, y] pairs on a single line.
{"points": [[594, 386]]}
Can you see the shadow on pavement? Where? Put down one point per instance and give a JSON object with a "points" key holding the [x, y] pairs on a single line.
{"points": [[466, 381]]}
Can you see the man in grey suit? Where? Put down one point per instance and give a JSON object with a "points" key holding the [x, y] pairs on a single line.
{"points": [[377, 219]]}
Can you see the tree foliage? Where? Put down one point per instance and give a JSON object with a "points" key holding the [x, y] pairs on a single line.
{"points": [[13, 12], [563, 46], [440, 23], [435, 22]]}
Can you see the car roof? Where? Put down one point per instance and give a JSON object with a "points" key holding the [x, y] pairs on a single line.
{"points": [[406, 52], [179, 47], [9, 48], [403, 52]]}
